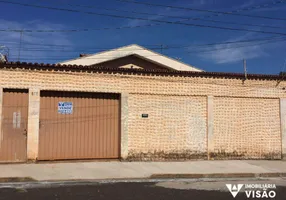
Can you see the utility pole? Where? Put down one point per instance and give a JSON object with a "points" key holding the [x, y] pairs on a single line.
{"points": [[282, 73], [20, 45], [245, 69]]}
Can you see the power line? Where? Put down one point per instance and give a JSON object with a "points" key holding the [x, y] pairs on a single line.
{"points": [[119, 10], [202, 51], [77, 30], [212, 11], [165, 46], [139, 18], [138, 26], [65, 45], [225, 48], [233, 42], [179, 17], [244, 24]]}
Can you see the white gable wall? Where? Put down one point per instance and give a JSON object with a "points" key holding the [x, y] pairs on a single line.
{"points": [[131, 50]]}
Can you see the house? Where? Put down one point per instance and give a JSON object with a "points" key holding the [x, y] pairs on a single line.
{"points": [[132, 56], [99, 106]]}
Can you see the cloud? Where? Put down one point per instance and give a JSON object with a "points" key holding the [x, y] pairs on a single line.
{"points": [[234, 55], [231, 53], [35, 47]]}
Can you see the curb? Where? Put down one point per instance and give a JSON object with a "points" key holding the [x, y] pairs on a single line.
{"points": [[153, 176], [219, 175], [16, 179]]}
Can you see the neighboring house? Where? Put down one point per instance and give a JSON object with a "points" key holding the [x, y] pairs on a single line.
{"points": [[132, 56], [78, 111]]}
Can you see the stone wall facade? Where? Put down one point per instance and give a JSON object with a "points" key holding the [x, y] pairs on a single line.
{"points": [[175, 128], [246, 128], [188, 117]]}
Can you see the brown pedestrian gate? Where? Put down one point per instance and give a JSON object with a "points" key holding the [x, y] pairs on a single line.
{"points": [[77, 125], [13, 136]]}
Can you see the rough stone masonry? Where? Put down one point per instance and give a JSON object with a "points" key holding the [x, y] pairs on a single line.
{"points": [[189, 117]]}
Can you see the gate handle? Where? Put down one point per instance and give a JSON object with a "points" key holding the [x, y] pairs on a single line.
{"points": [[25, 132]]}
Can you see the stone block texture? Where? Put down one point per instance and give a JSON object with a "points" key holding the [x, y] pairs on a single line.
{"points": [[246, 128], [246, 121], [175, 127]]}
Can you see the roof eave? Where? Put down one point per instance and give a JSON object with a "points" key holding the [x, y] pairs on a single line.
{"points": [[81, 68]]}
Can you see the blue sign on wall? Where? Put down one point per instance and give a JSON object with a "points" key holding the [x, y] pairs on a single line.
{"points": [[65, 108]]}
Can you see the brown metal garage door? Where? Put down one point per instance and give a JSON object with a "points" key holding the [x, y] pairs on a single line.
{"points": [[78, 125], [13, 136]]}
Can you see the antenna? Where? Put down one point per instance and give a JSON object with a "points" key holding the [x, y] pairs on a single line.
{"points": [[245, 69]]}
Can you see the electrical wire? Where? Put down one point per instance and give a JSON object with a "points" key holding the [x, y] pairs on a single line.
{"points": [[212, 11], [172, 16], [137, 18], [244, 24], [193, 52], [165, 46], [226, 48]]}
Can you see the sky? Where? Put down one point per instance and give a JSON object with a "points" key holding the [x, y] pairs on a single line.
{"points": [[186, 43]]}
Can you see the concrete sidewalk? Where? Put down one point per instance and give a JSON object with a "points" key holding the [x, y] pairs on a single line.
{"points": [[129, 170]]}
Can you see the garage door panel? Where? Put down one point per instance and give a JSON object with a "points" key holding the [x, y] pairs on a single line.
{"points": [[89, 132], [13, 138]]}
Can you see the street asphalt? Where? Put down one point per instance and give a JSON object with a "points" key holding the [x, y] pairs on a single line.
{"points": [[132, 190]]}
